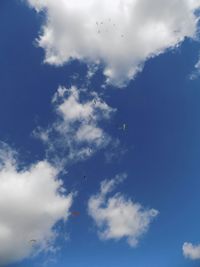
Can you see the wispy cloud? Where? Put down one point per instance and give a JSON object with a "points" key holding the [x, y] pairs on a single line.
{"points": [[196, 72], [76, 134], [118, 217]]}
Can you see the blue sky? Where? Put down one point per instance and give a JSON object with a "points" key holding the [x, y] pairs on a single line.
{"points": [[159, 151]]}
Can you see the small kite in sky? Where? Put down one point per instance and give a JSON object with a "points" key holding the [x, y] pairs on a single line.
{"points": [[75, 213], [123, 127]]}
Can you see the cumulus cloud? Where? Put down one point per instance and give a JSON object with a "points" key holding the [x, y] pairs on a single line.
{"points": [[118, 217], [32, 201], [76, 134], [191, 251], [121, 34]]}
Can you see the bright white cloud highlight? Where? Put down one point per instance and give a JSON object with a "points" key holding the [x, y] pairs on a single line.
{"points": [[121, 34], [118, 217], [191, 251], [76, 134], [32, 201]]}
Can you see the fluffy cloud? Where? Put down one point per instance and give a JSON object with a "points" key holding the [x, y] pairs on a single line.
{"points": [[117, 217], [121, 34], [32, 201], [191, 251], [76, 134]]}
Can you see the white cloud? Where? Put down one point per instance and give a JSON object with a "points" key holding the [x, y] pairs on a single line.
{"points": [[76, 133], [196, 72], [32, 201], [72, 110], [118, 217], [191, 251], [121, 34], [89, 133]]}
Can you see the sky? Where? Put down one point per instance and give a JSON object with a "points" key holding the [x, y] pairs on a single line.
{"points": [[99, 133]]}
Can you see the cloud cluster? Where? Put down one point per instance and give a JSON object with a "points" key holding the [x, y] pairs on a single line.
{"points": [[117, 217], [76, 134], [32, 201], [191, 251], [121, 34]]}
